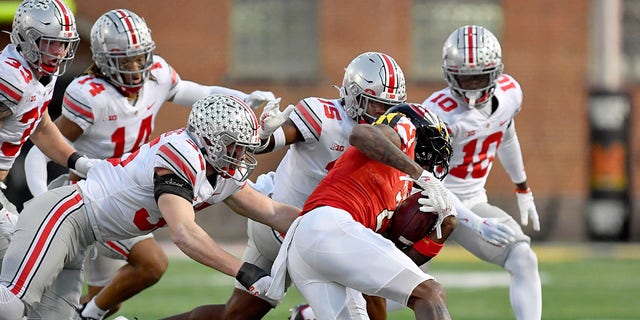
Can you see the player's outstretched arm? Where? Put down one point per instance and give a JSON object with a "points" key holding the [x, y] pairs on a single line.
{"points": [[258, 207]]}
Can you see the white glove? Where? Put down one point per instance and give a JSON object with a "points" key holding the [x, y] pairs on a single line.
{"points": [[8, 220], [260, 287], [272, 118], [83, 165], [528, 209], [4, 202], [495, 231], [257, 98], [433, 189], [434, 198], [254, 279]]}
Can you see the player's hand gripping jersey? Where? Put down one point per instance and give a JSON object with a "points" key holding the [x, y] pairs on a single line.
{"points": [[325, 127], [367, 189], [475, 137], [111, 124], [119, 192], [16, 78]]}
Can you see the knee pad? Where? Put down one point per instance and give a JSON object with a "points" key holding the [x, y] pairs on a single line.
{"points": [[521, 258]]}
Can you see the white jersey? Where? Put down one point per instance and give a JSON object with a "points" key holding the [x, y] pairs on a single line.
{"points": [[27, 99], [119, 193], [112, 125], [475, 137], [325, 127]]}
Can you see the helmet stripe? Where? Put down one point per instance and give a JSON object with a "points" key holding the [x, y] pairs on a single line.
{"points": [[66, 26], [471, 39], [128, 24], [246, 107], [391, 72]]}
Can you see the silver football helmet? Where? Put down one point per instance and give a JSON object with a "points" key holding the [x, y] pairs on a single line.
{"points": [[372, 76], [472, 64], [45, 33], [226, 130], [123, 49]]}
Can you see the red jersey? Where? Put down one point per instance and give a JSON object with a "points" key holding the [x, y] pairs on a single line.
{"points": [[367, 189]]}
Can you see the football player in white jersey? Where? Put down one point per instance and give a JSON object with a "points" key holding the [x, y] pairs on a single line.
{"points": [[106, 112], [160, 184], [479, 106], [43, 40], [317, 130]]}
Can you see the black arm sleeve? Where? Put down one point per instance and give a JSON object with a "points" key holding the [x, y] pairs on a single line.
{"points": [[171, 183]]}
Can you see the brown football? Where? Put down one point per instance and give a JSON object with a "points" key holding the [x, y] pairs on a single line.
{"points": [[408, 224]]}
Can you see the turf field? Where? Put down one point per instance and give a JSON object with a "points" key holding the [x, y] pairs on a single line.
{"points": [[589, 281]]}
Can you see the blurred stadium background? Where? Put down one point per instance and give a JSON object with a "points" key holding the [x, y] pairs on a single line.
{"points": [[564, 54], [578, 62]]}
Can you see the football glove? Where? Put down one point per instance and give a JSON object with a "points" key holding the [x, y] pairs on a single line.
{"points": [[254, 279], [434, 198], [494, 231], [257, 98], [272, 118], [4, 202], [82, 166], [527, 209]]}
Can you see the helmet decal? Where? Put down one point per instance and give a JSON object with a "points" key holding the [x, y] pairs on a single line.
{"points": [[45, 32], [226, 131], [122, 49], [472, 64], [372, 77]]}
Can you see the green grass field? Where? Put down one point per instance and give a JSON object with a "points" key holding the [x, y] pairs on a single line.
{"points": [[591, 281]]}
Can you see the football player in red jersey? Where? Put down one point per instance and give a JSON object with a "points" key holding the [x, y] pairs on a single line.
{"points": [[341, 219], [317, 130], [479, 106]]}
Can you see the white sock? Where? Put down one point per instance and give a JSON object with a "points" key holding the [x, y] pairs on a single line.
{"points": [[92, 310]]}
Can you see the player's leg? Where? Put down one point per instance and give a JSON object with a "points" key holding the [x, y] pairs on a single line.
{"points": [[52, 232], [61, 299], [330, 252], [146, 263], [519, 259]]}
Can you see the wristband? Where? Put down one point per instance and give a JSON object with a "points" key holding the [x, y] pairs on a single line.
{"points": [[428, 247], [279, 139], [523, 191], [249, 274], [73, 158]]}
